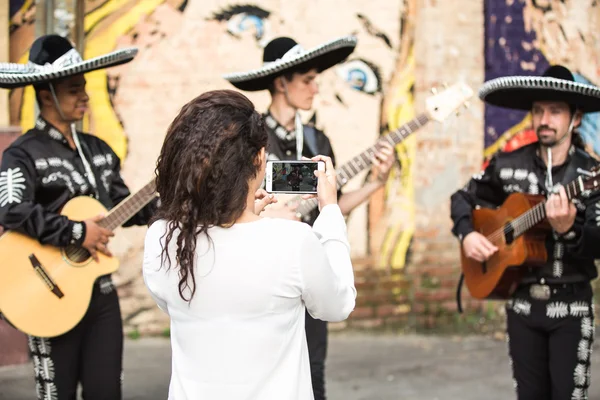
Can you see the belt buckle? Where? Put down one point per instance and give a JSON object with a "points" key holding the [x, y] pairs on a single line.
{"points": [[539, 292]]}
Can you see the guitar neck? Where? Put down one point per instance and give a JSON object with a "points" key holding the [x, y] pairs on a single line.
{"points": [[364, 160], [537, 213], [129, 207]]}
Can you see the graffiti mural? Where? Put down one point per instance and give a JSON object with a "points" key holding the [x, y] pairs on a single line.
{"points": [[186, 47], [524, 37]]}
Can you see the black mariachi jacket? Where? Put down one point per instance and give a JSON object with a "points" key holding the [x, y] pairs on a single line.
{"points": [[570, 256], [40, 173]]}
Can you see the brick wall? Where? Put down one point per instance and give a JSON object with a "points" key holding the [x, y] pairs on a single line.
{"points": [[449, 45]]}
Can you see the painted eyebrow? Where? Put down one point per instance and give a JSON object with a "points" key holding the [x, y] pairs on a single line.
{"points": [[225, 14], [371, 30]]}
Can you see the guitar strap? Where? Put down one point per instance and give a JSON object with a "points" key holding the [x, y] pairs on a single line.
{"points": [[310, 138]]}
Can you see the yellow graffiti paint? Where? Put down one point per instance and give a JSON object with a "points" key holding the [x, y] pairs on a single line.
{"points": [[398, 236], [506, 136], [105, 122]]}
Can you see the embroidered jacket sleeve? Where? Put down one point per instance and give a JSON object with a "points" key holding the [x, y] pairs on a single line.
{"points": [[119, 191], [19, 210], [484, 189], [584, 236]]}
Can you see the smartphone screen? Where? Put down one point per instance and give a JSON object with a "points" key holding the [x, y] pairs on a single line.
{"points": [[292, 176]]}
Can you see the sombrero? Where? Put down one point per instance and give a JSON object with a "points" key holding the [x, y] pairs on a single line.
{"points": [[557, 84], [53, 57], [285, 54]]}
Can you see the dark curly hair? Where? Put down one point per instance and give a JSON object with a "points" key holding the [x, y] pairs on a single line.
{"points": [[209, 155]]}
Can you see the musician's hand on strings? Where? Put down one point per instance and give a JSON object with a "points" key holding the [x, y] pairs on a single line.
{"points": [[383, 160], [560, 211], [478, 247], [261, 200], [96, 237]]}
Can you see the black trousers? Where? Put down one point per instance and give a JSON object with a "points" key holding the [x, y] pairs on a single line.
{"points": [[316, 339], [550, 342], [91, 353]]}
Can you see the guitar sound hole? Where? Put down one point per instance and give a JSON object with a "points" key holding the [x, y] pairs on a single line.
{"points": [[77, 254]]}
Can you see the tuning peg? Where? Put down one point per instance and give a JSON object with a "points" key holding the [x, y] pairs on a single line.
{"points": [[434, 90], [467, 105]]}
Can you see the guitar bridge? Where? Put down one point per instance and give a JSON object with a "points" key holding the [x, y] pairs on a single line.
{"points": [[37, 266]]}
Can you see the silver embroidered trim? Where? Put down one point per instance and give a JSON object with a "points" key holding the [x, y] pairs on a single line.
{"points": [[55, 162], [579, 309], [106, 285], [11, 186], [512, 188], [580, 375], [105, 178], [56, 135], [50, 392], [557, 268], [557, 309], [521, 174], [54, 176], [579, 394], [506, 173], [537, 82], [587, 328], [67, 164], [41, 164], [297, 58], [519, 306], [77, 232], [583, 350]]}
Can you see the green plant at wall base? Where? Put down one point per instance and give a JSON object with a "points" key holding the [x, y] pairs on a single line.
{"points": [[430, 282], [166, 332], [134, 334]]}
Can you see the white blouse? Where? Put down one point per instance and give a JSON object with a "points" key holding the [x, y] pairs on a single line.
{"points": [[242, 335]]}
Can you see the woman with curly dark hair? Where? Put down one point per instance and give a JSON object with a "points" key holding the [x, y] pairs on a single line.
{"points": [[235, 285]]}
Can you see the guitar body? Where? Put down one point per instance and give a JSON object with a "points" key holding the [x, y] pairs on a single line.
{"points": [[27, 299], [498, 277]]}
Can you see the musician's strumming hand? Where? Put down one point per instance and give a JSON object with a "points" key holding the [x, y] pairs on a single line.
{"points": [[478, 247], [382, 162], [560, 211], [262, 199], [96, 237]]}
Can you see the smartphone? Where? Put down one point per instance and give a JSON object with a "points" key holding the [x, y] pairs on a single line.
{"points": [[296, 177]]}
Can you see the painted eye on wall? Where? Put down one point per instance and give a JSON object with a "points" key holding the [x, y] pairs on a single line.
{"points": [[243, 19], [360, 75]]}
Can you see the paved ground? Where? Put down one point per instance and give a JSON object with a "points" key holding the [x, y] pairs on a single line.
{"points": [[360, 367]]}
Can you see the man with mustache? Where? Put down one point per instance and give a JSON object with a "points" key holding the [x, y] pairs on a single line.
{"points": [[550, 320], [40, 172]]}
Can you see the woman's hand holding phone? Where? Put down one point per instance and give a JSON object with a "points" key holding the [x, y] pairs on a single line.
{"points": [[326, 183]]}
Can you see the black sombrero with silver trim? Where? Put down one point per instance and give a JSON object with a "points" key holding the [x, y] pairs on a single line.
{"points": [[557, 84], [284, 54], [53, 57]]}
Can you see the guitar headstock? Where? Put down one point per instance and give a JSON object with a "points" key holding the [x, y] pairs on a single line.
{"points": [[591, 179], [443, 103]]}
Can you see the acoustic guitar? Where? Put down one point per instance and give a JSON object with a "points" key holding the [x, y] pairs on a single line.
{"points": [[519, 229], [437, 107], [44, 290]]}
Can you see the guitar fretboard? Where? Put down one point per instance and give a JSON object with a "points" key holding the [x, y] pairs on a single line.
{"points": [[537, 214], [129, 207], [364, 160]]}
